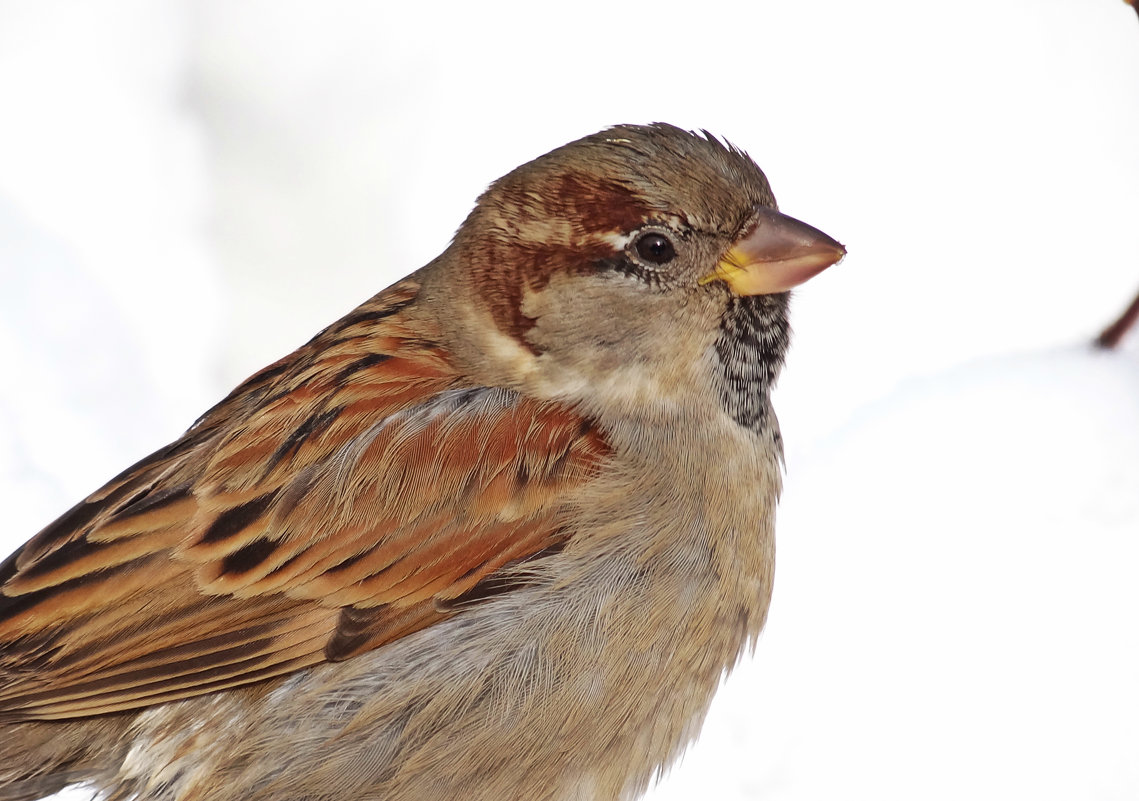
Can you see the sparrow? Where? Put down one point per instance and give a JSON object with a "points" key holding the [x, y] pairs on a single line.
{"points": [[496, 534]]}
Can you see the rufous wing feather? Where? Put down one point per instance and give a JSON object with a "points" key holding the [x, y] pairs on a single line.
{"points": [[341, 498]]}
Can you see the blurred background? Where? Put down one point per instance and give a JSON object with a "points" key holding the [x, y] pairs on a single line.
{"points": [[189, 190]]}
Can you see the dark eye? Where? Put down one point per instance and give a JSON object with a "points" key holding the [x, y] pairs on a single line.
{"points": [[655, 248]]}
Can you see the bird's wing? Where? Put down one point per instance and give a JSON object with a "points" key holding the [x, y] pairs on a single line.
{"points": [[348, 495]]}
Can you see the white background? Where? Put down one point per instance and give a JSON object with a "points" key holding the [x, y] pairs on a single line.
{"points": [[188, 190]]}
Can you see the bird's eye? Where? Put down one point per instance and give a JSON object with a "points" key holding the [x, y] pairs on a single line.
{"points": [[655, 248]]}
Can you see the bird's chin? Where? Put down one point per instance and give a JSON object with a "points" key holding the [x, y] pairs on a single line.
{"points": [[753, 312], [752, 342]]}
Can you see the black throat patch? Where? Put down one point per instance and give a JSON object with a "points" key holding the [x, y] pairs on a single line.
{"points": [[752, 343]]}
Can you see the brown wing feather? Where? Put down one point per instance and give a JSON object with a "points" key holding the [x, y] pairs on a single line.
{"points": [[339, 499]]}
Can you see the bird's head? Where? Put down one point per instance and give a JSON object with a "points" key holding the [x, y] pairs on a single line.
{"points": [[636, 265]]}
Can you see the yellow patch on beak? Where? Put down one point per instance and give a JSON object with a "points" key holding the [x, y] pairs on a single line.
{"points": [[731, 270], [775, 253]]}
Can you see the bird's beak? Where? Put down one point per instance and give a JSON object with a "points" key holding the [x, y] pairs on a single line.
{"points": [[776, 253]]}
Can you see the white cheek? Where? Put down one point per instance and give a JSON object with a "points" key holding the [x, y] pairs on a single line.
{"points": [[506, 351], [638, 384], [564, 384], [633, 389]]}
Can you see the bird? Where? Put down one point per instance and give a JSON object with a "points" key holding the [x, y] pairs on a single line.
{"points": [[497, 533]]}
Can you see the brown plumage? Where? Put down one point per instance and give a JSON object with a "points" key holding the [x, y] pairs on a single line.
{"points": [[496, 532]]}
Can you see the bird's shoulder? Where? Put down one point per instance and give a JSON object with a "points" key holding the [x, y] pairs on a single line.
{"points": [[355, 491]]}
